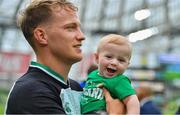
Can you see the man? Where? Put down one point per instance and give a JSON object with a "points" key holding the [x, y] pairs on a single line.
{"points": [[52, 28]]}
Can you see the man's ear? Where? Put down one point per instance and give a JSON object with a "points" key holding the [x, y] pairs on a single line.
{"points": [[96, 58], [40, 36]]}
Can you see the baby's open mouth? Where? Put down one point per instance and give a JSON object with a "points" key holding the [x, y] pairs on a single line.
{"points": [[111, 70]]}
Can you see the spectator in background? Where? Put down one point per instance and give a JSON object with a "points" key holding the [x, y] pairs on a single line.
{"points": [[145, 94], [178, 111]]}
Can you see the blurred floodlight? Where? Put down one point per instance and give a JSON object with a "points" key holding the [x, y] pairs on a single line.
{"points": [[142, 14], [142, 34]]}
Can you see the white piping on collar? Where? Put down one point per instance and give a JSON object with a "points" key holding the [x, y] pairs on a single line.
{"points": [[50, 74]]}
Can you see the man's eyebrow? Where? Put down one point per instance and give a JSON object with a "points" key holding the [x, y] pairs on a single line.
{"points": [[73, 24]]}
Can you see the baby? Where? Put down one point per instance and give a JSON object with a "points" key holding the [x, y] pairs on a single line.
{"points": [[113, 57]]}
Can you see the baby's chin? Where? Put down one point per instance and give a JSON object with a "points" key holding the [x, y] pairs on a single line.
{"points": [[109, 76]]}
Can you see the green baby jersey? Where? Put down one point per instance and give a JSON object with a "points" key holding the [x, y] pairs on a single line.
{"points": [[93, 99]]}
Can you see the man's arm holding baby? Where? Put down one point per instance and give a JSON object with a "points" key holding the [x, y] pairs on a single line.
{"points": [[113, 106]]}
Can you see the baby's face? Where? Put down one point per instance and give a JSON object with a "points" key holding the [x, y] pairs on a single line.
{"points": [[113, 60]]}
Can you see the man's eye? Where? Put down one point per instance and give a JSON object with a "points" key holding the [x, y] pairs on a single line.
{"points": [[70, 28]]}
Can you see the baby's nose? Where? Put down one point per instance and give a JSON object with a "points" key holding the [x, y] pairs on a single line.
{"points": [[114, 62]]}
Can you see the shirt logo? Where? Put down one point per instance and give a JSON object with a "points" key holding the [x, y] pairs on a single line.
{"points": [[96, 93]]}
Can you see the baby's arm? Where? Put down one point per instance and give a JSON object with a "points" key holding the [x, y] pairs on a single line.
{"points": [[132, 104]]}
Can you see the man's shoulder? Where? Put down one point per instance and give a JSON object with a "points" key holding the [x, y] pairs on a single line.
{"points": [[34, 80], [30, 77]]}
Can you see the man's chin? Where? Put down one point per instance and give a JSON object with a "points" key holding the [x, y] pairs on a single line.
{"points": [[77, 59]]}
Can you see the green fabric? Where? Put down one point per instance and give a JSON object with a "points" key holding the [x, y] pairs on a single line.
{"points": [[93, 99], [48, 71]]}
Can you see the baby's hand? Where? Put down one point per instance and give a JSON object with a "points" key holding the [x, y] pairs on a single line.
{"points": [[101, 85]]}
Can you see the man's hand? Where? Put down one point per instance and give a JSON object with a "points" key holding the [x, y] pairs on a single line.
{"points": [[113, 106]]}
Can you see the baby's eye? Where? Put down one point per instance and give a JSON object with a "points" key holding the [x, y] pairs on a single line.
{"points": [[121, 60], [108, 56]]}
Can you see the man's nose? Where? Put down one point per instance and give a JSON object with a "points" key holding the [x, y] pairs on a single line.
{"points": [[80, 35]]}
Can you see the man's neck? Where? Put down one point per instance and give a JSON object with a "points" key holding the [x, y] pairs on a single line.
{"points": [[59, 67]]}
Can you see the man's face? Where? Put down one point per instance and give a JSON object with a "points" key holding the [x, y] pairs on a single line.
{"points": [[65, 36]]}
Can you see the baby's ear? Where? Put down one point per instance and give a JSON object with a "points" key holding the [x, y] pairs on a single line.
{"points": [[129, 63], [96, 58]]}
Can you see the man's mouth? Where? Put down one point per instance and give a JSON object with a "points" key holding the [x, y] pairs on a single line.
{"points": [[77, 45]]}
